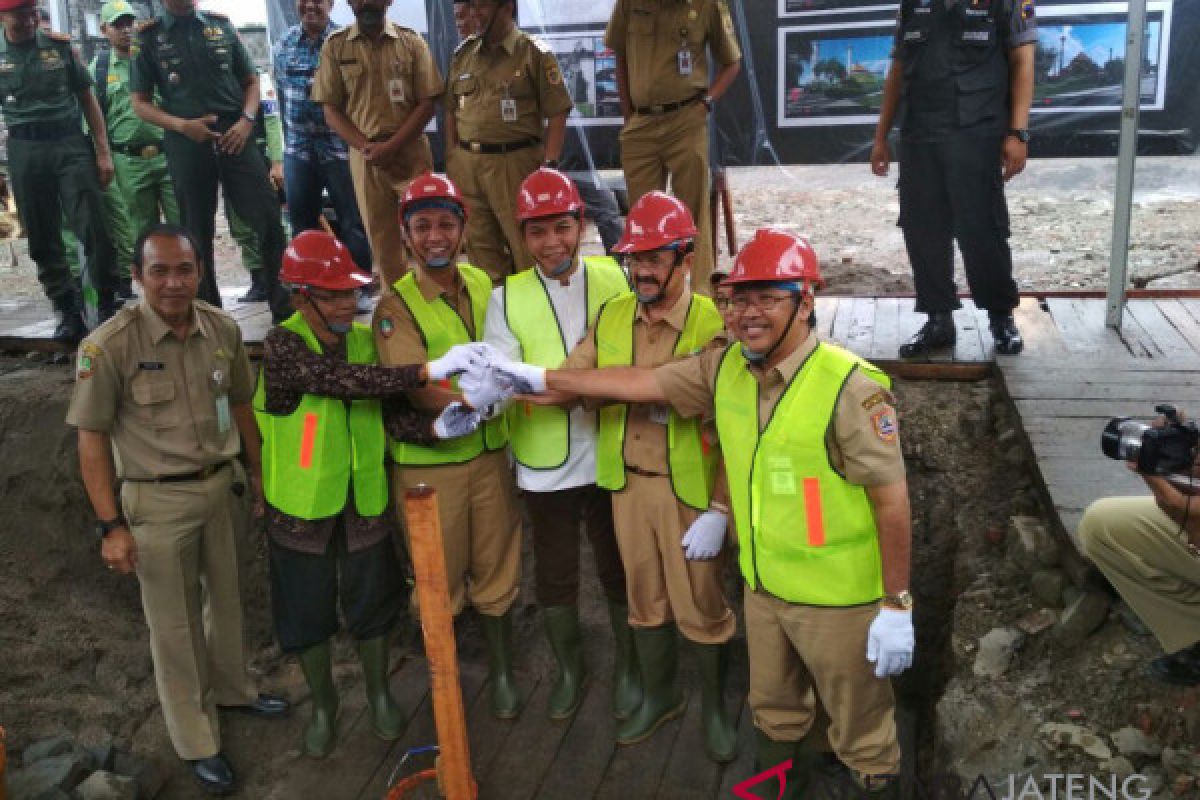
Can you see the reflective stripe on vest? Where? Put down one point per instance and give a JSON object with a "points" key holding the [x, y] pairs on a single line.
{"points": [[441, 327], [540, 435], [807, 534], [310, 456], [691, 459]]}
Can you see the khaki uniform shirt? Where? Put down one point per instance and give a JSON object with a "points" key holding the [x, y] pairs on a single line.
{"points": [[863, 442], [653, 345], [520, 68], [397, 337], [649, 35], [157, 396], [377, 83]]}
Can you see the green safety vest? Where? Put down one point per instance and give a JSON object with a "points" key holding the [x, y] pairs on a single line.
{"points": [[310, 456], [806, 534], [441, 327], [691, 459], [540, 435]]}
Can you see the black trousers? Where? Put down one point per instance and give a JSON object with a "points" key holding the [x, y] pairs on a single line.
{"points": [[196, 170], [49, 178], [951, 190], [556, 518], [305, 590]]}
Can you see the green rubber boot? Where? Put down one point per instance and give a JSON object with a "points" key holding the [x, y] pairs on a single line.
{"points": [[720, 736], [661, 699], [319, 735], [770, 753], [562, 628], [502, 684], [386, 719], [627, 681]]}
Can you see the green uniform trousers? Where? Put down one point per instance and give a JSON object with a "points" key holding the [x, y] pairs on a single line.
{"points": [[197, 169], [146, 187], [188, 570], [50, 179], [120, 230], [675, 145], [1145, 556]]}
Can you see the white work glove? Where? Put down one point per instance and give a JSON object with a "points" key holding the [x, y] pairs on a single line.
{"points": [[460, 358], [456, 420], [704, 538], [890, 642], [483, 391], [520, 378]]}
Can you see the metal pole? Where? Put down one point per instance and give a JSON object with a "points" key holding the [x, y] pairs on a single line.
{"points": [[1118, 266]]}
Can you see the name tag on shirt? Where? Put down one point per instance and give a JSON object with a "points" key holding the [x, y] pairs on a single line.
{"points": [[150, 365], [508, 109], [396, 91], [223, 416]]}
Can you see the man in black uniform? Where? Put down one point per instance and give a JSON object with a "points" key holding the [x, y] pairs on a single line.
{"points": [[53, 167], [210, 99], [964, 69]]}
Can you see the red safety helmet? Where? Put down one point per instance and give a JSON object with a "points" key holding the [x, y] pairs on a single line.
{"points": [[547, 193], [432, 191], [656, 221], [776, 256], [318, 259]]}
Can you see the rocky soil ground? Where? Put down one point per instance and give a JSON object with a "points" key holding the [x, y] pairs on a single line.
{"points": [[996, 689]]}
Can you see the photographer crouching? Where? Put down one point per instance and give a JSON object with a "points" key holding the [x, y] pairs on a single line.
{"points": [[1149, 547]]}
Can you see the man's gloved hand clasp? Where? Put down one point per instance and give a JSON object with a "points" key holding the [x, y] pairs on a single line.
{"points": [[705, 536], [461, 358], [520, 378], [483, 391], [456, 420], [890, 642]]}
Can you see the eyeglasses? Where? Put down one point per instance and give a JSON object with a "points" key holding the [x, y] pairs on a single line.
{"points": [[762, 302]]}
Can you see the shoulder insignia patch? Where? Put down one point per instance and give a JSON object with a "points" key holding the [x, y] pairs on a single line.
{"points": [[386, 327], [877, 399], [553, 73], [1027, 9], [86, 363], [884, 422]]}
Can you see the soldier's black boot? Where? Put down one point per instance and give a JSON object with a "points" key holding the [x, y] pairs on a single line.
{"points": [[937, 332], [71, 329], [108, 305], [1004, 331], [258, 289]]}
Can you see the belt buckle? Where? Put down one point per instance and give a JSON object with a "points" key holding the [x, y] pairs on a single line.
{"points": [[657, 109], [476, 147], [149, 151]]}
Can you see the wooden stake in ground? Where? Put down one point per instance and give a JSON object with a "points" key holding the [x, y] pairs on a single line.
{"points": [[437, 626]]}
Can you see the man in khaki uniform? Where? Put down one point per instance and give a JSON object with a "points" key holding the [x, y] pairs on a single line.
{"points": [[1149, 548], [166, 383], [826, 551], [377, 82], [662, 49], [506, 114], [437, 305]]}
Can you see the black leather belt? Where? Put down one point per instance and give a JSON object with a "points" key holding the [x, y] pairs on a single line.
{"points": [[666, 107], [43, 131], [138, 150], [198, 475], [497, 149], [645, 473]]}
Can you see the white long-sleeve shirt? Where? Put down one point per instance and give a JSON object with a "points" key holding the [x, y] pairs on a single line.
{"points": [[570, 306]]}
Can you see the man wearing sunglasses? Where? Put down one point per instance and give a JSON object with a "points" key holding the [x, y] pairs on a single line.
{"points": [[819, 496]]}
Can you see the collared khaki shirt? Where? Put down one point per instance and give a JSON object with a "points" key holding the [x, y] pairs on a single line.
{"points": [[649, 34], [160, 397], [376, 82], [398, 338], [653, 345], [519, 68], [863, 442]]}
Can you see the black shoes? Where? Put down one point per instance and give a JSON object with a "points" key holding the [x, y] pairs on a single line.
{"points": [[214, 774], [258, 290], [70, 329], [937, 333], [1179, 669], [1004, 331], [265, 705]]}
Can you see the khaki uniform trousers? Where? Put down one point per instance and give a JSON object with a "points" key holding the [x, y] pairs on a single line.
{"points": [[378, 189], [675, 144], [1143, 554], [481, 529], [662, 584], [799, 654], [489, 184], [188, 568]]}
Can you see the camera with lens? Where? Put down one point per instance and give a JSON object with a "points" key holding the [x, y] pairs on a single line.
{"points": [[1166, 450]]}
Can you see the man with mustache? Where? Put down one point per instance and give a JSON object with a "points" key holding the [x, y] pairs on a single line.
{"points": [[377, 83]]}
